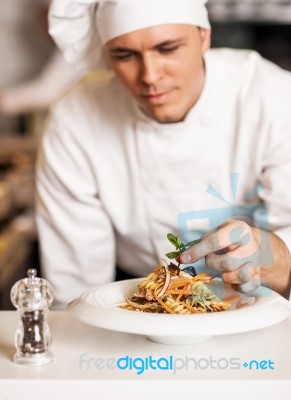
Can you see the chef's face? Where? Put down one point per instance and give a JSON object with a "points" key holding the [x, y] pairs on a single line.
{"points": [[162, 67]]}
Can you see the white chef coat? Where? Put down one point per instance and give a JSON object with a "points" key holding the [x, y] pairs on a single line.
{"points": [[111, 181]]}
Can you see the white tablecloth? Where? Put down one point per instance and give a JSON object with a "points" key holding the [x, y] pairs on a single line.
{"points": [[210, 370]]}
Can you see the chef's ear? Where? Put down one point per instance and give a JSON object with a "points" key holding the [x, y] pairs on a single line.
{"points": [[205, 35]]}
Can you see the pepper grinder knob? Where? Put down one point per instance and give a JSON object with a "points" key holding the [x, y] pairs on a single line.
{"points": [[32, 296], [31, 273]]}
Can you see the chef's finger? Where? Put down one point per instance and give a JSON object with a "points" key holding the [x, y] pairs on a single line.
{"points": [[241, 275], [232, 233], [231, 260], [251, 285]]}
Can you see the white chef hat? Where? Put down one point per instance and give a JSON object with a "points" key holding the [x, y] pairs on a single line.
{"points": [[80, 28]]}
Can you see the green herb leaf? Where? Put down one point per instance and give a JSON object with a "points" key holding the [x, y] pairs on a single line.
{"points": [[181, 247], [173, 254], [193, 242], [174, 240]]}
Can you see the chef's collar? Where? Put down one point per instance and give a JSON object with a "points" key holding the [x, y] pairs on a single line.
{"points": [[81, 27]]}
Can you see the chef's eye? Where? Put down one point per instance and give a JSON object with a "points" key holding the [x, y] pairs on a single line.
{"points": [[124, 56], [168, 49]]}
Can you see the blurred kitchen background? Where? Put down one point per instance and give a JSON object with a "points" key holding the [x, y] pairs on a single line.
{"points": [[28, 55]]}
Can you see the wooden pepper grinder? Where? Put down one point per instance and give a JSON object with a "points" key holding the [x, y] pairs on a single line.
{"points": [[32, 297]]}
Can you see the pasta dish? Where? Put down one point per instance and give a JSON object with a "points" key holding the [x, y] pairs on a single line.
{"points": [[170, 290]]}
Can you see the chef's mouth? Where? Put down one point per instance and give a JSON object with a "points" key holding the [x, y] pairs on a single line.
{"points": [[156, 98]]}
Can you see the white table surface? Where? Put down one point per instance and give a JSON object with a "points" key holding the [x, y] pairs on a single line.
{"points": [[68, 378]]}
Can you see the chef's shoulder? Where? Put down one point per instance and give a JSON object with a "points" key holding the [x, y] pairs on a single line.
{"points": [[256, 76]]}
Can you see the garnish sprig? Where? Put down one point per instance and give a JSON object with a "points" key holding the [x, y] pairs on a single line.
{"points": [[180, 247]]}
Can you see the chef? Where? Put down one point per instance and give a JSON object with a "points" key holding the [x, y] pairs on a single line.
{"points": [[180, 138]]}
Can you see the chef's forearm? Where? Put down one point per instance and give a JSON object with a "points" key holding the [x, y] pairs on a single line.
{"points": [[278, 275]]}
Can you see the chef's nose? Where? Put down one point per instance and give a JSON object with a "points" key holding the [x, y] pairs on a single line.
{"points": [[151, 69]]}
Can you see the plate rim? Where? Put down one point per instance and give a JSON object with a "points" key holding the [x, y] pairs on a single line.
{"points": [[81, 309]]}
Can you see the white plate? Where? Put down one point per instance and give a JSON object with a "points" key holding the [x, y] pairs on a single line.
{"points": [[97, 307]]}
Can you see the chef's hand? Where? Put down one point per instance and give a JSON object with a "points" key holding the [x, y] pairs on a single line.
{"points": [[235, 249]]}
